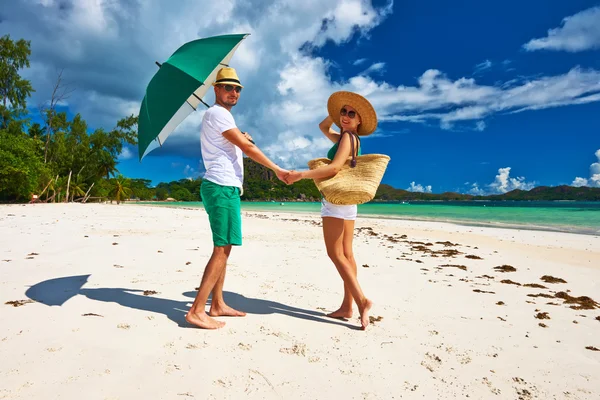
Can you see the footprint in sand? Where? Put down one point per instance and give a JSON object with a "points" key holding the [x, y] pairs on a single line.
{"points": [[298, 349], [431, 362], [246, 347], [493, 389]]}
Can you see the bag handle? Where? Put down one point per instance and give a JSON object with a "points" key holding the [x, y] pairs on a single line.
{"points": [[354, 154]]}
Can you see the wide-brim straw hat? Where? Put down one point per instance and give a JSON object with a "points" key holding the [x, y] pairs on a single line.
{"points": [[366, 111], [227, 76]]}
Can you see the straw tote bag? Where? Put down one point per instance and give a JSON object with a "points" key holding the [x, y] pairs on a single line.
{"points": [[357, 181]]}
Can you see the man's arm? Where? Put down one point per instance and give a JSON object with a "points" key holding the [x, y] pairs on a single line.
{"points": [[236, 137]]}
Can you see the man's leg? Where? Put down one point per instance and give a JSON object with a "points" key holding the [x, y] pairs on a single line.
{"points": [[218, 308], [212, 273]]}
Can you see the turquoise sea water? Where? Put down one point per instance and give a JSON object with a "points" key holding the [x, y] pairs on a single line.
{"points": [[564, 216]]}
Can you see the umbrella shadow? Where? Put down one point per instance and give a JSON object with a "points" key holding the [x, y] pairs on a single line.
{"points": [[55, 292]]}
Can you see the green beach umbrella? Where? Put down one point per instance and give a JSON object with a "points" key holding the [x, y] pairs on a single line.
{"points": [[178, 87]]}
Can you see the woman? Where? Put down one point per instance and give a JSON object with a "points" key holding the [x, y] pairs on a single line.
{"points": [[355, 116]]}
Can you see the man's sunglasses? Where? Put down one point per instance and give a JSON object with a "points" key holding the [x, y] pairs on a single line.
{"points": [[229, 88], [350, 114]]}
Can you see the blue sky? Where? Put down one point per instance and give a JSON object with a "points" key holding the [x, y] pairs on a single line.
{"points": [[479, 97]]}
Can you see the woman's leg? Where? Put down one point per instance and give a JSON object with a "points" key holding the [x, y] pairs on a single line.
{"points": [[333, 232], [345, 310]]}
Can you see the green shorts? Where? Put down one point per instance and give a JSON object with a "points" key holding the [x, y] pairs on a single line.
{"points": [[222, 204]]}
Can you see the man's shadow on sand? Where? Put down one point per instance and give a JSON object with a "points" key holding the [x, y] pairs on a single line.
{"points": [[54, 292]]}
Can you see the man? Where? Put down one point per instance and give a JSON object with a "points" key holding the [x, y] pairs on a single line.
{"points": [[222, 147]]}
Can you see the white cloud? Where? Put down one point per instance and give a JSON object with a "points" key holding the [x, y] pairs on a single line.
{"points": [[487, 64], [126, 154], [595, 167], [439, 98], [108, 52], [578, 32], [504, 183], [579, 182], [108, 55], [594, 179], [476, 190], [419, 188], [379, 133], [193, 172], [375, 68]]}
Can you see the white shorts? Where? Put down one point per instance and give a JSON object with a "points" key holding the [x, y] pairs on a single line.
{"points": [[347, 213]]}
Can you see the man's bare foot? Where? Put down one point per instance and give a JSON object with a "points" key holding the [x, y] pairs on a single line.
{"points": [[364, 314], [201, 320], [341, 313], [225, 311]]}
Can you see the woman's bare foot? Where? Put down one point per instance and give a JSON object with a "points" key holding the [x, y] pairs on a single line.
{"points": [[341, 313], [225, 311], [364, 314], [201, 320]]}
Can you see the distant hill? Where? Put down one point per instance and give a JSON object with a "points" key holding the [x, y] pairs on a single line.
{"points": [[563, 192], [262, 184], [388, 193]]}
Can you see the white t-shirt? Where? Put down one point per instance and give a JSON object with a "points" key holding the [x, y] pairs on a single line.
{"points": [[222, 159]]}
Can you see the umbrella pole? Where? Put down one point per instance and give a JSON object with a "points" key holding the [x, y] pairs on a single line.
{"points": [[201, 101]]}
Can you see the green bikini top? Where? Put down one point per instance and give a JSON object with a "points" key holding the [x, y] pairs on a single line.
{"points": [[334, 149]]}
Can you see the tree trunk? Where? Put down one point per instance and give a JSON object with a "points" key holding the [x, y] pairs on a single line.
{"points": [[86, 193], [48, 131], [68, 184], [43, 191], [54, 190]]}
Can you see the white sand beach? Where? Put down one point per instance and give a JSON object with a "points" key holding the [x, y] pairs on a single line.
{"points": [[104, 291]]}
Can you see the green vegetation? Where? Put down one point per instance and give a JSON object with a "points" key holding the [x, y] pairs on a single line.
{"points": [[59, 160]]}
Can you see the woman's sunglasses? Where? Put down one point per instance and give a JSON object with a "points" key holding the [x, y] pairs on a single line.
{"points": [[350, 114], [229, 88]]}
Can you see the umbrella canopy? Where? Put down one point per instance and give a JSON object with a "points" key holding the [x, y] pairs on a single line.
{"points": [[178, 87], [55, 292]]}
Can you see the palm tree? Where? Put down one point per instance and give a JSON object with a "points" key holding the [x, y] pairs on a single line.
{"points": [[77, 188], [107, 165], [120, 190]]}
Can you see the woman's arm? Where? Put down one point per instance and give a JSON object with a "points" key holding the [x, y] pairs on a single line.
{"points": [[325, 127], [327, 171]]}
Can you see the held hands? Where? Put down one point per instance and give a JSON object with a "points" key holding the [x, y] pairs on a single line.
{"points": [[288, 177], [293, 177], [282, 174]]}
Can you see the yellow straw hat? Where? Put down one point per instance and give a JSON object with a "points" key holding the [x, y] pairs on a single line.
{"points": [[366, 111], [227, 76]]}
